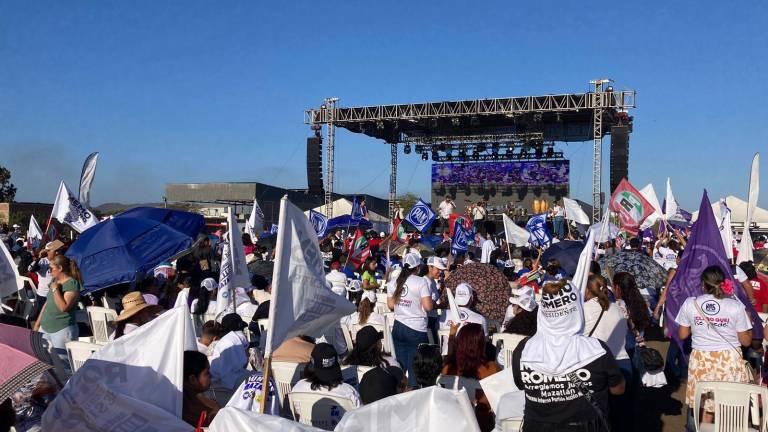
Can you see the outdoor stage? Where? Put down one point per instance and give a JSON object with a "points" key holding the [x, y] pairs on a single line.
{"points": [[490, 130]]}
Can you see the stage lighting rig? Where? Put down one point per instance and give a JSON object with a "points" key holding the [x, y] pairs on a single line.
{"points": [[407, 149]]}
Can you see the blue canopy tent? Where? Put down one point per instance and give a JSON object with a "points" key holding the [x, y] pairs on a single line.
{"points": [[115, 251], [346, 221]]}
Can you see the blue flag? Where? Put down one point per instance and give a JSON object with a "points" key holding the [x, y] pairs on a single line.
{"points": [[421, 216], [704, 249], [462, 237], [319, 222], [537, 226], [357, 212], [273, 229]]}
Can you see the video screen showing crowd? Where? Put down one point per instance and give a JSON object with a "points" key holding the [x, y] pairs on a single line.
{"points": [[551, 324]]}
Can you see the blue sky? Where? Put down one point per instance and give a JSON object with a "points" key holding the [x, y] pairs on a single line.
{"points": [[197, 91]]}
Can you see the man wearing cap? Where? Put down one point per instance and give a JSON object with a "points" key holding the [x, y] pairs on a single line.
{"points": [[337, 279], [465, 299], [435, 266]]}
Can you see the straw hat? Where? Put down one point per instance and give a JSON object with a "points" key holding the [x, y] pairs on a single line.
{"points": [[133, 303]]}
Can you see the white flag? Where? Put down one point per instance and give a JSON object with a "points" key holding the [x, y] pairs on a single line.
{"points": [[34, 232], [9, 273], [234, 269], [650, 195], [670, 208], [135, 381], [86, 178], [69, 210], [581, 274], [516, 235], [453, 307], [745, 246], [726, 233], [301, 302], [574, 212], [255, 223]]}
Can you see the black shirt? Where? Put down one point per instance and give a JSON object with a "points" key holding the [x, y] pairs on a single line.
{"points": [[555, 400]]}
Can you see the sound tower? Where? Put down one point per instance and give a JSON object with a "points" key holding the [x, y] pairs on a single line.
{"points": [[619, 155], [315, 165]]}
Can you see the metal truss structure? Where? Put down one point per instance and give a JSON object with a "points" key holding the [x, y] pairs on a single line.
{"points": [[533, 121]]}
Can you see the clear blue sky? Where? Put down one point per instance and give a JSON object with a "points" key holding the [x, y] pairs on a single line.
{"points": [[199, 91]]}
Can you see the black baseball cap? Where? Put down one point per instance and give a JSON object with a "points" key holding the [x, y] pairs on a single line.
{"points": [[233, 322], [367, 337], [325, 362]]}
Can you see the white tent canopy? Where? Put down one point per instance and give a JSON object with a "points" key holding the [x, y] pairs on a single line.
{"points": [[739, 212], [343, 206]]}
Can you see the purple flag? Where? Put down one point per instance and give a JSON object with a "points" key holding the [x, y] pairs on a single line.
{"points": [[704, 249]]}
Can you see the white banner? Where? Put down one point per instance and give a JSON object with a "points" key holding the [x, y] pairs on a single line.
{"points": [[516, 235], [9, 273], [86, 178], [670, 208], [34, 232], [650, 195], [231, 419], [67, 209], [581, 274], [134, 382], [255, 223], [432, 409], [574, 212], [234, 269], [745, 246], [301, 302], [726, 232]]}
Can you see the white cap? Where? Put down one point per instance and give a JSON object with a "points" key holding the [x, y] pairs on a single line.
{"points": [[518, 264], [209, 284], [436, 262], [463, 294], [527, 302], [382, 235], [412, 260], [354, 286], [370, 295], [524, 291]]}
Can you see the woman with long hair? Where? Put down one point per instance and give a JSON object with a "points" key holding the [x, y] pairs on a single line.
{"points": [[467, 359], [634, 306], [411, 299], [57, 320], [366, 312], [368, 274], [719, 326], [368, 350], [322, 374]]}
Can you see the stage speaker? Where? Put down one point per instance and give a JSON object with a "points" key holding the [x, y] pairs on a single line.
{"points": [[619, 155], [315, 165]]}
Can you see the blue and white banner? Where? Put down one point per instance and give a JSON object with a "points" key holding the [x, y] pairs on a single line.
{"points": [[67, 209], [357, 212], [537, 226], [86, 178], [255, 223], [462, 237], [319, 222], [273, 229], [421, 216]]}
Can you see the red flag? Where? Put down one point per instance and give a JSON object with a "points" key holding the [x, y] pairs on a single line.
{"points": [[359, 249], [631, 206]]}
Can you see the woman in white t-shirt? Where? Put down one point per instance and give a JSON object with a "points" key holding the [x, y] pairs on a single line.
{"points": [[716, 342], [366, 313], [323, 375], [411, 298], [605, 321]]}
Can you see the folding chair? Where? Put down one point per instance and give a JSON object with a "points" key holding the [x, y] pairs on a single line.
{"points": [[101, 321], [506, 344], [78, 352], [320, 410], [732, 406], [286, 374]]}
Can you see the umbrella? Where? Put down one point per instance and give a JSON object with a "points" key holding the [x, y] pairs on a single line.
{"points": [[345, 222], [18, 368], [647, 272], [27, 341], [116, 250], [490, 284], [567, 252], [761, 260]]}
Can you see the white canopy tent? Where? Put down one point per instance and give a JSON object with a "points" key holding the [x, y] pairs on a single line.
{"points": [[739, 212], [343, 206]]}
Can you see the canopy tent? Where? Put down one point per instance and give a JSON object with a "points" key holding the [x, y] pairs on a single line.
{"points": [[343, 206], [739, 212]]}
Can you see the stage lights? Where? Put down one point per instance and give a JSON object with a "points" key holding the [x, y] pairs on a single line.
{"points": [[407, 149], [424, 156]]}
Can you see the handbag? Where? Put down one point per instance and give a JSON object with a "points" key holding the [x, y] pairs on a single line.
{"points": [[650, 358], [751, 375]]}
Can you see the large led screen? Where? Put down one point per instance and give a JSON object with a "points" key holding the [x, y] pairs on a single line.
{"points": [[519, 173]]}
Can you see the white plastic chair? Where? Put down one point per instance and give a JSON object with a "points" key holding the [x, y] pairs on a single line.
{"points": [[348, 338], [511, 425], [454, 382], [263, 324], [317, 409], [508, 344], [361, 370], [78, 352], [389, 345], [286, 374], [100, 320], [442, 338], [732, 406]]}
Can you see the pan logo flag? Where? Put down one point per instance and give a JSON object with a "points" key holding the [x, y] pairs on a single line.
{"points": [[421, 216], [537, 227], [357, 212], [461, 237], [319, 222], [631, 206]]}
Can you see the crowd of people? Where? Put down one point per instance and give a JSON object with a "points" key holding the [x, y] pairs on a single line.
{"points": [[577, 358]]}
